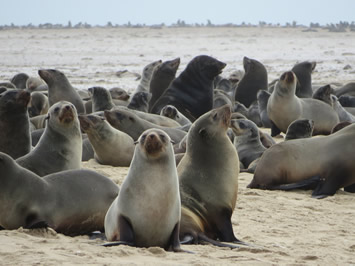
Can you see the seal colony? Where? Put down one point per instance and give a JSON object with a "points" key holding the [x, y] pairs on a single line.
{"points": [[184, 155]]}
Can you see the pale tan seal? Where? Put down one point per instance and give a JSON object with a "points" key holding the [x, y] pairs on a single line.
{"points": [[147, 73], [111, 146], [38, 105], [208, 175], [60, 147], [71, 202], [284, 107], [323, 164], [147, 210]]}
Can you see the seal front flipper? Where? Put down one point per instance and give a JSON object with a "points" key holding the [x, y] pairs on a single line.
{"points": [[308, 184], [326, 187], [274, 130], [126, 234], [350, 188]]}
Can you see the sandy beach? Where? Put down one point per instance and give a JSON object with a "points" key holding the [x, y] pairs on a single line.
{"points": [[281, 227]]}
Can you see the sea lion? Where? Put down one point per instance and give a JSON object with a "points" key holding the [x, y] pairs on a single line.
{"points": [[60, 147], [308, 164], [208, 175], [146, 77], [19, 80], [140, 101], [343, 114], [323, 94], [173, 113], [15, 139], [247, 141], [347, 89], [162, 76], [101, 99], [303, 72], [347, 100], [38, 104], [263, 97], [111, 146], [36, 84], [284, 107], [60, 89], [119, 94], [133, 125], [300, 128], [72, 202], [151, 178], [192, 91], [254, 79]]}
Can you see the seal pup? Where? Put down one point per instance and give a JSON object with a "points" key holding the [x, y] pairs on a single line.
{"points": [[210, 166], [303, 72], [263, 97], [220, 98], [60, 147], [192, 91], [38, 104], [162, 76], [146, 76], [39, 121], [347, 89], [173, 113], [133, 125], [323, 94], [72, 202], [300, 128], [152, 177], [101, 99], [247, 141], [119, 94], [140, 101], [284, 107], [254, 113], [226, 86], [254, 79], [60, 89], [343, 114], [19, 80], [15, 138], [111, 146], [36, 84], [347, 100], [308, 164]]}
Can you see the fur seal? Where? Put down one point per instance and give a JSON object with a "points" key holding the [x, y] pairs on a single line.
{"points": [[220, 98], [19, 80], [284, 107], [162, 76], [87, 151], [247, 141], [173, 113], [192, 91], [140, 101], [254, 79], [347, 100], [36, 84], [147, 76], [254, 114], [151, 178], [60, 147], [303, 72], [339, 126], [38, 105], [72, 202], [323, 94], [343, 114], [15, 139], [101, 99], [119, 94], [7, 85], [60, 89], [111, 146], [208, 175], [226, 86], [348, 89], [263, 97], [133, 125], [308, 164], [300, 128], [39, 121]]}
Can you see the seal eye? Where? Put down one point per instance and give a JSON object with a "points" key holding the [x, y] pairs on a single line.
{"points": [[131, 118], [241, 125], [215, 117], [56, 110], [203, 132], [162, 137]]}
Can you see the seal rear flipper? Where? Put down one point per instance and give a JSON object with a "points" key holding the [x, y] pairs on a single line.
{"points": [[125, 232], [325, 188], [203, 238], [350, 188], [117, 243], [274, 130], [307, 184], [97, 235]]}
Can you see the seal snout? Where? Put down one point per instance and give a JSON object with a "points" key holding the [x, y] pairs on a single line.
{"points": [[153, 141], [24, 97], [289, 77], [169, 111], [225, 114], [67, 113]]}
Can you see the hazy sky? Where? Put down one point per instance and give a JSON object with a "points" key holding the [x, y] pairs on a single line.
{"points": [[99, 12]]}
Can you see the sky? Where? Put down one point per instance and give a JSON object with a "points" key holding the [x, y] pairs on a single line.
{"points": [[151, 12]]}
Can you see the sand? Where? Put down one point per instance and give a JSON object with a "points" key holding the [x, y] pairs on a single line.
{"points": [[281, 227]]}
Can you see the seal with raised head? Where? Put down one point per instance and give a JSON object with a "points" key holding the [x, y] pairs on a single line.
{"points": [[303, 72], [263, 97], [254, 79], [192, 91], [101, 99], [162, 76], [60, 147], [15, 138], [140, 101], [152, 177], [308, 164], [323, 94], [208, 175], [284, 107], [119, 94], [299, 129], [111, 146], [71, 202], [60, 89], [147, 76]]}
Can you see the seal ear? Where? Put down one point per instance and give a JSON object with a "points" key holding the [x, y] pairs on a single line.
{"points": [[47, 117], [203, 132]]}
